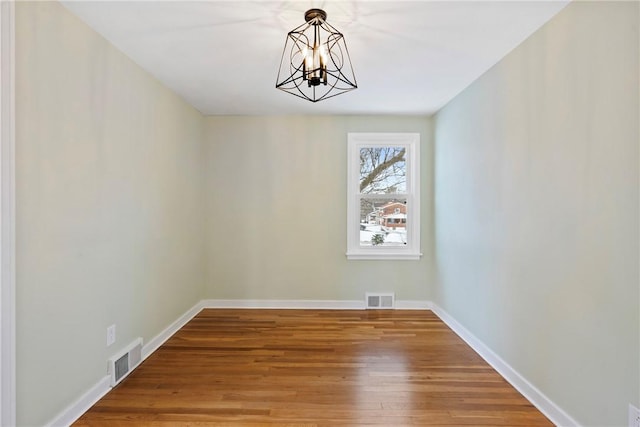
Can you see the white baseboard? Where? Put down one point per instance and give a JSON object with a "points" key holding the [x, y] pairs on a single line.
{"points": [[308, 304], [80, 406], [412, 305], [528, 390], [285, 304], [155, 342]]}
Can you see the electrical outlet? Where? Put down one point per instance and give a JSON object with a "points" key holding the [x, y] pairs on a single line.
{"points": [[111, 335], [634, 416]]}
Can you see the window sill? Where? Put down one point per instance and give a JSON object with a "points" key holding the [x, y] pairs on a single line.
{"points": [[383, 256]]}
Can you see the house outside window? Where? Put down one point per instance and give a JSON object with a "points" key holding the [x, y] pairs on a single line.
{"points": [[383, 206]]}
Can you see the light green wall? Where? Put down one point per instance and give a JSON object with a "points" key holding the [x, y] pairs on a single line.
{"points": [[537, 210], [276, 223], [109, 208]]}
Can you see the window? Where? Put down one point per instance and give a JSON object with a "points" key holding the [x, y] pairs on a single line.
{"points": [[383, 206]]}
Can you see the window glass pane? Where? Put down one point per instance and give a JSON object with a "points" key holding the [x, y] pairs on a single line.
{"points": [[383, 170], [383, 222]]}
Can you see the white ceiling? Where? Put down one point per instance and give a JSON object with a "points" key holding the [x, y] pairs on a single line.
{"points": [[409, 57]]}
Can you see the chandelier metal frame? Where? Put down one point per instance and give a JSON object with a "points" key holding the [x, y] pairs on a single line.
{"points": [[315, 63]]}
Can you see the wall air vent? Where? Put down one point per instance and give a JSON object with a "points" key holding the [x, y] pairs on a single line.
{"points": [[380, 300], [121, 365]]}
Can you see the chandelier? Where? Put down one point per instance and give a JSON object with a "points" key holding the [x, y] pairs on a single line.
{"points": [[315, 63]]}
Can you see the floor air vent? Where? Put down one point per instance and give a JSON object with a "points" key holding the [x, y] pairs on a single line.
{"points": [[378, 300], [124, 362]]}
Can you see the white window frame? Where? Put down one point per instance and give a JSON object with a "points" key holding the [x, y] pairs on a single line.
{"points": [[411, 142]]}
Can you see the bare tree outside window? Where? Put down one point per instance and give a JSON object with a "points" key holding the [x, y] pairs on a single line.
{"points": [[383, 170]]}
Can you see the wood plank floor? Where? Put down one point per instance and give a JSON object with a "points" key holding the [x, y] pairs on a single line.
{"points": [[314, 368]]}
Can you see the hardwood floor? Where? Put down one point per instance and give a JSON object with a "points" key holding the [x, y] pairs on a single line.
{"points": [[314, 368]]}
